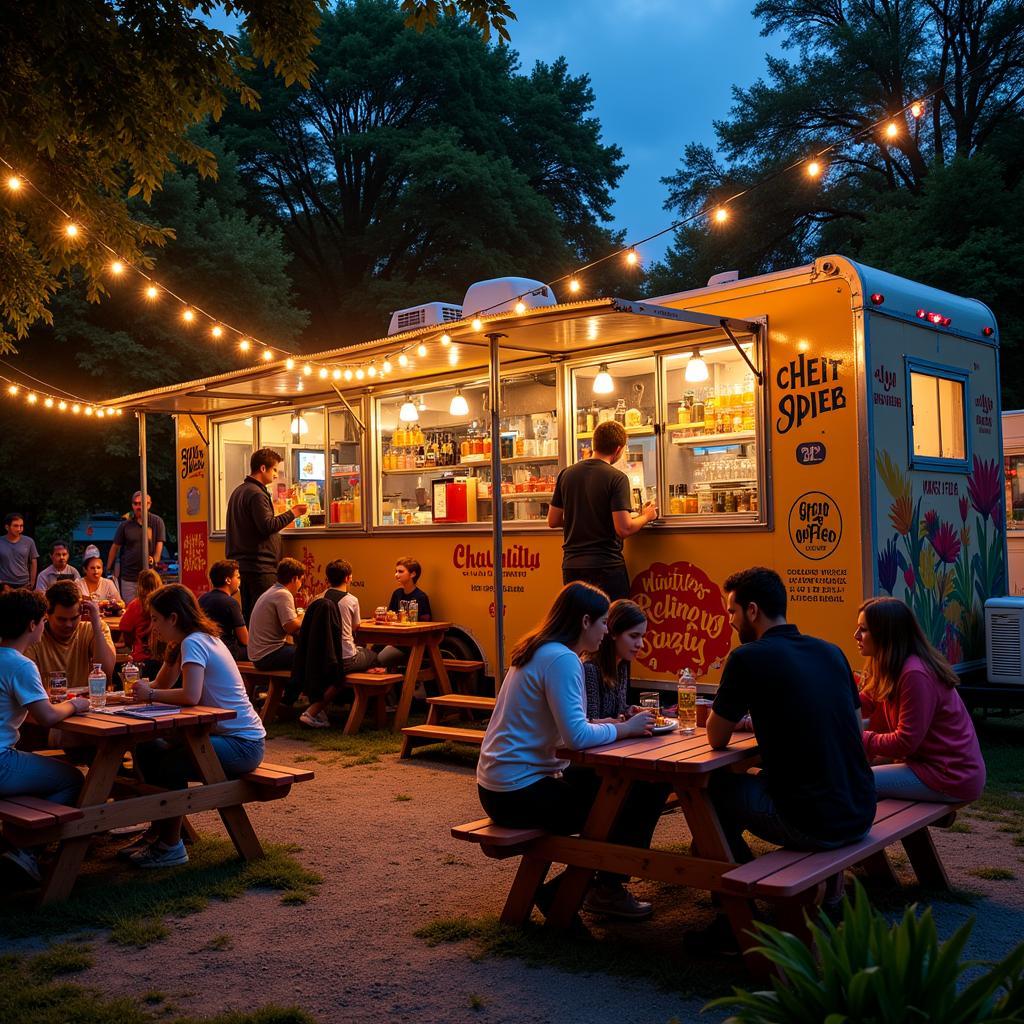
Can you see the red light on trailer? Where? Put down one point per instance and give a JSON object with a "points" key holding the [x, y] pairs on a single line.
{"points": [[878, 298], [946, 321], [921, 314], [988, 331]]}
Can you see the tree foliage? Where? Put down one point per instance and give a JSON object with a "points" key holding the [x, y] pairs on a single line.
{"points": [[415, 164], [96, 98], [856, 62]]}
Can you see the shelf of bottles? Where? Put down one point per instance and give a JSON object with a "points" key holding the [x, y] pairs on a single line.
{"points": [[637, 420]]}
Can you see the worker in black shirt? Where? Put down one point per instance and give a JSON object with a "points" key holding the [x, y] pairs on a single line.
{"points": [[591, 505]]}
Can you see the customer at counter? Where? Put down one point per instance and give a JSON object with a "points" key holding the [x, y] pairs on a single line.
{"points": [[591, 505]]}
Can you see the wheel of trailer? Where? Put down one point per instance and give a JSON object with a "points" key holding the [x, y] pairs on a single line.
{"points": [[461, 646]]}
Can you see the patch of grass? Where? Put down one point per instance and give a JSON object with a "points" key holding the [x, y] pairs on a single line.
{"points": [[302, 758], [402, 798], [1001, 741], [363, 748], [219, 943], [993, 874], [134, 904], [960, 826], [476, 1002], [626, 954], [30, 994], [451, 860], [138, 931]]}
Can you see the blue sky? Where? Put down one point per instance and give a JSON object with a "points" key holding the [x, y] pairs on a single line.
{"points": [[662, 71]]}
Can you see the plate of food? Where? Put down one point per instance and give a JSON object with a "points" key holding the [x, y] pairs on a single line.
{"points": [[667, 725]]}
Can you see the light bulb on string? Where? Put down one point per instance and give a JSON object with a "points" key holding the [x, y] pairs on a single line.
{"points": [[421, 404], [386, 366], [721, 215], [421, 350], [62, 405], [152, 292], [322, 374], [76, 408], [603, 383], [813, 169], [244, 345], [267, 355], [32, 398], [360, 373], [520, 307], [408, 413], [335, 374], [574, 285], [403, 359], [14, 183], [892, 130], [371, 370], [289, 364], [916, 109], [117, 268], [696, 369], [307, 370], [632, 257], [71, 230], [478, 324], [348, 373], [446, 340], [100, 414], [12, 390], [217, 331], [187, 315], [459, 405], [48, 402]]}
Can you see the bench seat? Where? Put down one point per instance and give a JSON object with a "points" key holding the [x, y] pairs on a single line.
{"points": [[367, 686], [497, 841], [785, 874], [275, 680], [30, 812], [418, 735]]}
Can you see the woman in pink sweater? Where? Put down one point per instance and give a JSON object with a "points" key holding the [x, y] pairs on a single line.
{"points": [[917, 720]]}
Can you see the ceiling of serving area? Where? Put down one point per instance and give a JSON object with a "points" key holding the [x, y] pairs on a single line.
{"points": [[565, 330]]}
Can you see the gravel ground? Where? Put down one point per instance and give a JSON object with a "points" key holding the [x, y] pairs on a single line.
{"points": [[390, 866]]}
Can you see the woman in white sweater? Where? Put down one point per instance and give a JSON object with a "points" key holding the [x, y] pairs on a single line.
{"points": [[542, 706]]}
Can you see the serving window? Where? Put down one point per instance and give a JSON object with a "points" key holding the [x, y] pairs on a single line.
{"points": [[320, 468], [937, 415], [434, 454]]}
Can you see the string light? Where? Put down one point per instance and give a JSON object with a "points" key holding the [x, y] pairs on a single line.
{"points": [[574, 285], [421, 350], [478, 324], [371, 370], [62, 405], [891, 130], [916, 109], [14, 183], [244, 345], [48, 402], [267, 355], [403, 359], [289, 364], [632, 257], [322, 374], [813, 169], [307, 370], [348, 373], [12, 390], [446, 340], [188, 316], [152, 292], [71, 230], [520, 307], [386, 366], [721, 215], [117, 268], [359, 373], [336, 374], [88, 410], [216, 330], [76, 408]]}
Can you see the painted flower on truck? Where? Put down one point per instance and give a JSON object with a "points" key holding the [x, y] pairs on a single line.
{"points": [[945, 578], [687, 622]]}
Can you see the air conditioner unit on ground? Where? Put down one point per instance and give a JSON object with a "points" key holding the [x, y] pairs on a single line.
{"points": [[1004, 640], [430, 314]]}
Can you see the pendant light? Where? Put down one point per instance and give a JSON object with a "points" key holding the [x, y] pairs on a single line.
{"points": [[459, 406], [408, 413], [696, 369], [603, 383], [299, 426]]}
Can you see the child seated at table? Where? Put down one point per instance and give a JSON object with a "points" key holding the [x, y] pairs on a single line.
{"points": [[407, 575], [22, 617], [135, 625], [541, 706], [210, 677]]}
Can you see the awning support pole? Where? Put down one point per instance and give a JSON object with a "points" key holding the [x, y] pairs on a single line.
{"points": [[496, 508], [144, 489], [739, 348]]}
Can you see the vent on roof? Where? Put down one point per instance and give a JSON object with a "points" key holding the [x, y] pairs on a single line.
{"points": [[726, 277], [427, 315]]}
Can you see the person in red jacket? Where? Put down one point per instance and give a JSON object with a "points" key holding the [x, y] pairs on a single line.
{"points": [[916, 719]]}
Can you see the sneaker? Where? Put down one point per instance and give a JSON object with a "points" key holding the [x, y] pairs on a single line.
{"points": [[26, 861], [159, 855], [314, 721], [129, 851], [717, 939], [615, 900]]}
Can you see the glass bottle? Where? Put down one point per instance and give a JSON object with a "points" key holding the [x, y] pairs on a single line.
{"points": [[97, 687], [620, 411]]}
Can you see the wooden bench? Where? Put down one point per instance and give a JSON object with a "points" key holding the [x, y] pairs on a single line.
{"points": [[435, 731], [367, 686], [273, 679], [794, 879]]}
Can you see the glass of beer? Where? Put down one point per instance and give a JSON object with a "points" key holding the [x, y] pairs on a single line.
{"points": [[651, 701], [58, 687]]}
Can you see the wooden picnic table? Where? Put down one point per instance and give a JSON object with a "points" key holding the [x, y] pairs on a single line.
{"points": [[687, 763], [422, 639], [113, 735]]}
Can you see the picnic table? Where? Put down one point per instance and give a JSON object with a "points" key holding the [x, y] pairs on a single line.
{"points": [[113, 735], [424, 641]]}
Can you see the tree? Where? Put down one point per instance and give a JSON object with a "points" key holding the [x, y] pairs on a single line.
{"points": [[223, 259], [96, 98], [415, 164], [859, 61]]}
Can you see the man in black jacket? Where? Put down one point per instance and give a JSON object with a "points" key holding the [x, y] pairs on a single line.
{"points": [[252, 527]]}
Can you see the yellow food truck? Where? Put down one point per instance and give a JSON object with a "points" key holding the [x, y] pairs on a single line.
{"points": [[832, 421]]}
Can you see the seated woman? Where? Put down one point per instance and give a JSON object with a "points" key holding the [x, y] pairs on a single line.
{"points": [[135, 624], [95, 585], [209, 676], [540, 707], [22, 617], [908, 689]]}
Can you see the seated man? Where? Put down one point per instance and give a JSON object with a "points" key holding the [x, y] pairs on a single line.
{"points": [[407, 575], [274, 620], [816, 791], [355, 658], [58, 569], [221, 606], [74, 638]]}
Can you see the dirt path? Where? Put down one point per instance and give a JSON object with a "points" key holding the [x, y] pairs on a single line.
{"points": [[389, 867]]}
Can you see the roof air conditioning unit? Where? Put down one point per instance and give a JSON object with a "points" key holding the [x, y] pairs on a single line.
{"points": [[1004, 640], [503, 294], [430, 314], [726, 277]]}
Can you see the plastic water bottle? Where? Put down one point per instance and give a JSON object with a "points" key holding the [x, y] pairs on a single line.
{"points": [[129, 676], [687, 705], [97, 687]]}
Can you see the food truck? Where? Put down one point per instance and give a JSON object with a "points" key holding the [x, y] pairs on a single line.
{"points": [[834, 422]]}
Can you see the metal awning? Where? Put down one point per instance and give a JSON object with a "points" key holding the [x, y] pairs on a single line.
{"points": [[567, 329]]}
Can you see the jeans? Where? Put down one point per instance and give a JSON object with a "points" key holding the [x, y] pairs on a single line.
{"points": [[561, 805], [391, 658], [283, 657], [170, 766], [363, 659], [25, 774], [253, 585], [744, 803], [899, 782], [613, 580], [128, 589]]}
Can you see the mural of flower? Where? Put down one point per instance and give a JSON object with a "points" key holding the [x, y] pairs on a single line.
{"points": [[951, 646], [908, 578], [984, 487], [901, 514], [953, 612], [888, 566], [929, 524], [925, 569], [963, 508], [965, 536], [946, 543]]}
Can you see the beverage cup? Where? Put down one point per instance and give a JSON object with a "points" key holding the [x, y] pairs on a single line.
{"points": [[58, 687], [97, 692], [703, 709], [651, 701], [380, 614], [687, 708]]}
